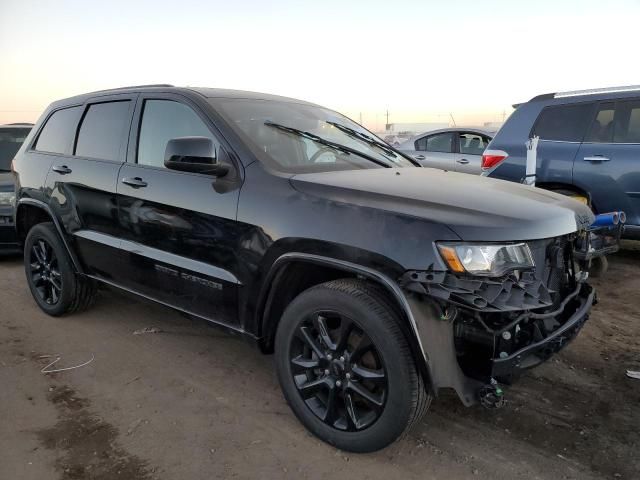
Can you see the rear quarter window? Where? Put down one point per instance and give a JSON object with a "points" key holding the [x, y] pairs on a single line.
{"points": [[58, 131], [566, 123]]}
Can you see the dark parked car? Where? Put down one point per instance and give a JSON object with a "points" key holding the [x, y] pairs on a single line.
{"points": [[376, 282], [589, 148], [11, 138]]}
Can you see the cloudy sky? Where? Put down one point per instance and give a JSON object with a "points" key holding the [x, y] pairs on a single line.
{"points": [[420, 59]]}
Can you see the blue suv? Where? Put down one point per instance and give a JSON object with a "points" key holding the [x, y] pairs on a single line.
{"points": [[589, 148]]}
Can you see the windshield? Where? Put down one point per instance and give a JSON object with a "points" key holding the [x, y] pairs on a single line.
{"points": [[10, 141], [291, 152]]}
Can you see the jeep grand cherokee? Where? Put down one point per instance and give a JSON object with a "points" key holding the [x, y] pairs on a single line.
{"points": [[377, 283]]}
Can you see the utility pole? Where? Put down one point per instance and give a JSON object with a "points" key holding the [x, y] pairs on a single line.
{"points": [[360, 118], [387, 125]]}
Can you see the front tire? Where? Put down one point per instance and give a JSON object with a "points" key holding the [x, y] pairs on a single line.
{"points": [[345, 366], [55, 286]]}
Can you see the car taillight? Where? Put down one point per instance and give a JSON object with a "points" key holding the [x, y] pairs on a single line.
{"points": [[493, 158]]}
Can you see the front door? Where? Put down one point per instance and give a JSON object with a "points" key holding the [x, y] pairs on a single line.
{"points": [[178, 231], [435, 150]]}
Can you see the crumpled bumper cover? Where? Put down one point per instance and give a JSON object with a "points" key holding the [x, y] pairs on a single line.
{"points": [[538, 352]]}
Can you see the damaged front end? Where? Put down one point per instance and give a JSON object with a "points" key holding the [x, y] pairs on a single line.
{"points": [[480, 329]]}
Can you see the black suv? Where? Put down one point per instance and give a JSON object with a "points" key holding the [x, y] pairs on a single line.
{"points": [[376, 282], [11, 138]]}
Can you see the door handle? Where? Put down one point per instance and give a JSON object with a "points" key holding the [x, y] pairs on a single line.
{"points": [[135, 182], [61, 169], [596, 158], [463, 161], [419, 157]]}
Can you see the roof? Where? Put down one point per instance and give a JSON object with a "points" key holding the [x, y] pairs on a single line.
{"points": [[165, 87], [17, 125], [607, 91], [455, 129]]}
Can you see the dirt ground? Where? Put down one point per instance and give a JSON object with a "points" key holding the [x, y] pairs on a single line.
{"points": [[192, 403]]}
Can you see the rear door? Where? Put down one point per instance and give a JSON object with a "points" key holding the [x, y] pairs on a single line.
{"points": [[561, 129], [470, 146], [608, 164], [435, 150], [179, 231], [83, 184]]}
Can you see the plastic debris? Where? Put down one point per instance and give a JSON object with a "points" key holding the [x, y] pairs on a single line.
{"points": [[633, 374], [55, 370], [144, 330]]}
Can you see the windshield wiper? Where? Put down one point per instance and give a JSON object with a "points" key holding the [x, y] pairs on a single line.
{"points": [[388, 149], [364, 137], [328, 143]]}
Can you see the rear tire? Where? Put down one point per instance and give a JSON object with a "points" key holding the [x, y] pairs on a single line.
{"points": [[55, 286], [346, 368]]}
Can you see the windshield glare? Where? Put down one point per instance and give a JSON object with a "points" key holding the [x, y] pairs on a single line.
{"points": [[10, 141], [290, 153]]}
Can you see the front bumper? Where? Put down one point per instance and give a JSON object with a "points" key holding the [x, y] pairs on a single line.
{"points": [[8, 235], [460, 355], [538, 352]]}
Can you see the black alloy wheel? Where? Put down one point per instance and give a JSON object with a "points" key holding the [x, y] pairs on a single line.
{"points": [[56, 287], [45, 272], [338, 371], [346, 368]]}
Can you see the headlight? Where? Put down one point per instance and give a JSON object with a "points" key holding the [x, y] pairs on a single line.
{"points": [[488, 260], [7, 198]]}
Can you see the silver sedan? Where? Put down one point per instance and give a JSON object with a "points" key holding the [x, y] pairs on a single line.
{"points": [[454, 149]]}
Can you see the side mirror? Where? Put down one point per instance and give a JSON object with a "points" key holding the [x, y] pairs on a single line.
{"points": [[195, 155]]}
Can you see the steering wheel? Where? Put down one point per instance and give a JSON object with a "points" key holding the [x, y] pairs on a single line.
{"points": [[324, 150]]}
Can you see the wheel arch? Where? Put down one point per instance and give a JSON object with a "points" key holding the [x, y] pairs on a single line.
{"points": [[565, 189], [30, 212], [277, 294]]}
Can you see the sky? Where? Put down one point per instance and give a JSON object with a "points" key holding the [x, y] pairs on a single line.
{"points": [[423, 61]]}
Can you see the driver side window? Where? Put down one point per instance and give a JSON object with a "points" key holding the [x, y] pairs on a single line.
{"points": [[163, 120]]}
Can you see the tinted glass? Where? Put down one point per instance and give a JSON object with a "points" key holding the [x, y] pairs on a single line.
{"points": [[472, 143], [601, 130], [57, 133], [564, 123], [163, 120], [627, 122], [442, 142], [10, 141], [103, 130], [288, 152]]}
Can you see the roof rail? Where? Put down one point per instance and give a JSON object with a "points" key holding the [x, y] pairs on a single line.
{"points": [[135, 86], [593, 91], [18, 124]]}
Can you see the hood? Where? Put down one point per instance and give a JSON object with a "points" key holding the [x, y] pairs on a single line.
{"points": [[475, 208]]}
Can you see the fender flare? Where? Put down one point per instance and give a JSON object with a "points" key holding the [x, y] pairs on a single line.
{"points": [[380, 278], [43, 206]]}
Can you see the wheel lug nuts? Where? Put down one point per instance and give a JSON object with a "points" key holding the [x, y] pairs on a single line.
{"points": [[338, 383], [342, 359], [348, 376], [329, 357], [326, 372]]}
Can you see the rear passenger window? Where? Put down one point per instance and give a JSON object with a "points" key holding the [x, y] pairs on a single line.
{"points": [[472, 144], [103, 130], [566, 123], [442, 142], [57, 133], [601, 130], [163, 120], [627, 122]]}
